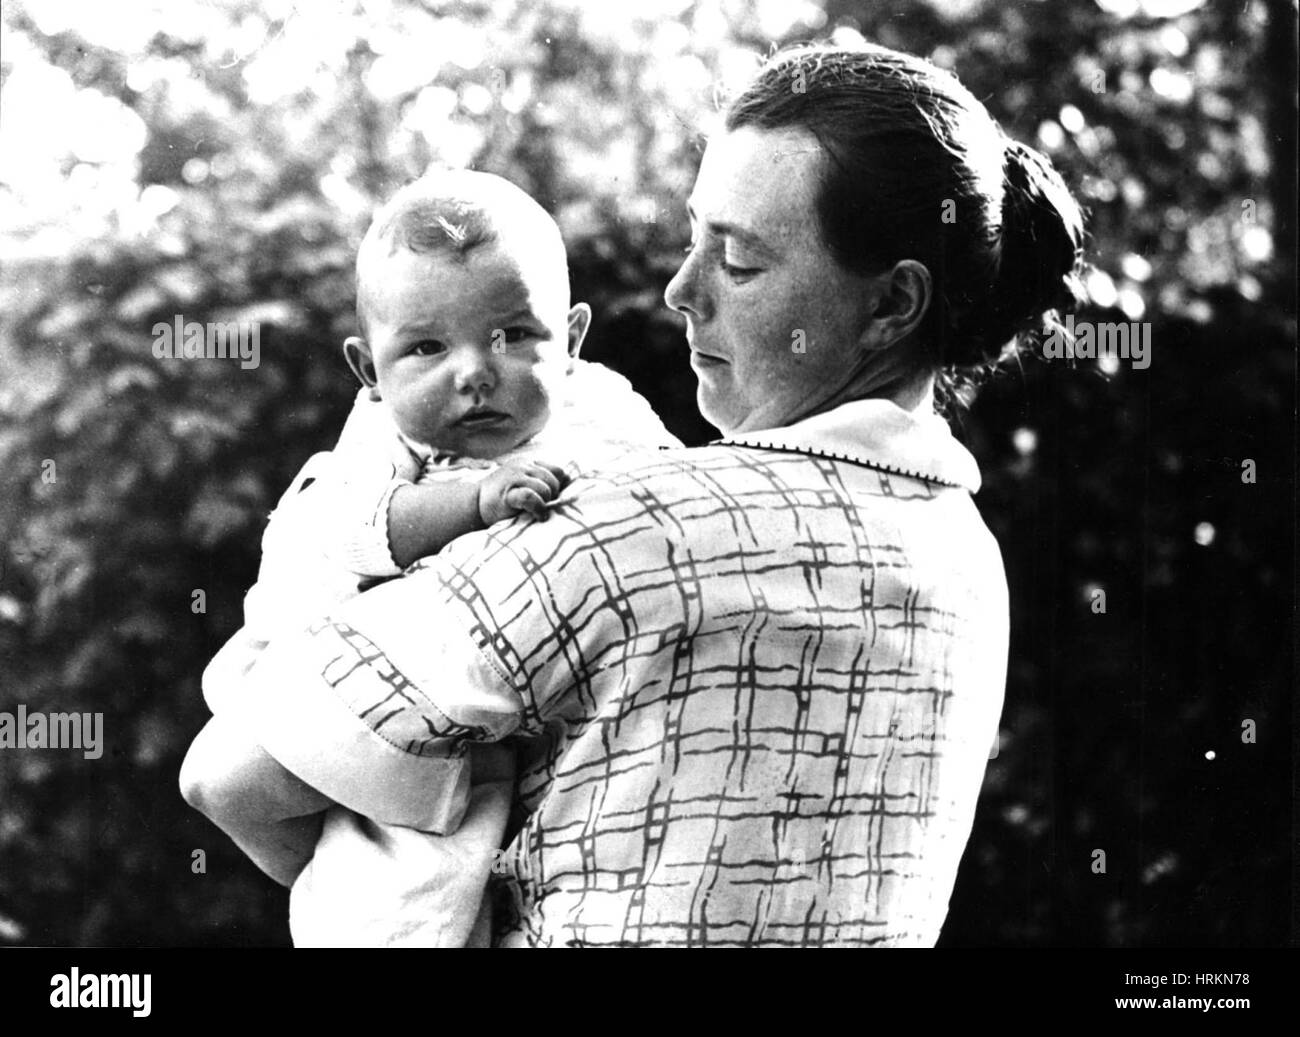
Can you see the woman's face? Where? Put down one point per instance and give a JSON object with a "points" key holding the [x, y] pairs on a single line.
{"points": [[773, 321]]}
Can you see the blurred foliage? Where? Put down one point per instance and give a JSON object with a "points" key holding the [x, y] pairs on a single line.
{"points": [[219, 160]]}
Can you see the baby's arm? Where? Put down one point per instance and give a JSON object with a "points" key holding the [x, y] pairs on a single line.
{"points": [[270, 814], [373, 518], [424, 518]]}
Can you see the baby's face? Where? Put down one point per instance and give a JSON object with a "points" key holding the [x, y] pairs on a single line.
{"points": [[469, 351]]}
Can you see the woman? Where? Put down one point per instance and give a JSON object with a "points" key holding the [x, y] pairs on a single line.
{"points": [[752, 686]]}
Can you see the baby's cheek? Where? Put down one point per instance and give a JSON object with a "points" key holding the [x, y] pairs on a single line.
{"points": [[417, 416], [536, 415], [539, 394]]}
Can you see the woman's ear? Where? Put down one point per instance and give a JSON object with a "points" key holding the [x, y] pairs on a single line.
{"points": [[902, 297], [579, 323], [356, 351]]}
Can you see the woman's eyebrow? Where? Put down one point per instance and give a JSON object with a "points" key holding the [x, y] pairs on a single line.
{"points": [[747, 238]]}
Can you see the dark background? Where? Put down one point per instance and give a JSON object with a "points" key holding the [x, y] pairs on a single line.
{"points": [[220, 160]]}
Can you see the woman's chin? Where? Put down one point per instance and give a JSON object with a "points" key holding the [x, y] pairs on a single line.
{"points": [[717, 416]]}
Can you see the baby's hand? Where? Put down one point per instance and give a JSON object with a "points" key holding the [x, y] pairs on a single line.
{"points": [[522, 486]]}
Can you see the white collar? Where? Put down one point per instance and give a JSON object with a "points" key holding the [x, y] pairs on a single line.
{"points": [[879, 434]]}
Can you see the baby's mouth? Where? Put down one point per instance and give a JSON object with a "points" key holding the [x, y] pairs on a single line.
{"points": [[481, 417]]}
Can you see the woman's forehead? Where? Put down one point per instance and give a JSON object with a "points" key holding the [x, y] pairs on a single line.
{"points": [[764, 182]]}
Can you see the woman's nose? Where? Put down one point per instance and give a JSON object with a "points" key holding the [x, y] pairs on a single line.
{"points": [[685, 293]]}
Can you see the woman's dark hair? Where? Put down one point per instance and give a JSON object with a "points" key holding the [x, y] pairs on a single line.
{"points": [[919, 170]]}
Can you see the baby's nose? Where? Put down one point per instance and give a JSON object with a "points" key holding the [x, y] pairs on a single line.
{"points": [[475, 372]]}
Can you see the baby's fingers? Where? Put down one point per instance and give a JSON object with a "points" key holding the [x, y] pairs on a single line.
{"points": [[527, 498], [562, 478], [551, 475]]}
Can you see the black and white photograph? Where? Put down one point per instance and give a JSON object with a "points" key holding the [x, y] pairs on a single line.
{"points": [[687, 474]]}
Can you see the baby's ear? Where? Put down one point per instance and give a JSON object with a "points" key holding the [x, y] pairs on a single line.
{"points": [[356, 351], [579, 322]]}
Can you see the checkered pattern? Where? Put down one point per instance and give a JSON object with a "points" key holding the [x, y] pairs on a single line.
{"points": [[753, 693]]}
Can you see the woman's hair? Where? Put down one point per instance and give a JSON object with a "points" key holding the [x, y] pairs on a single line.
{"points": [[919, 170]]}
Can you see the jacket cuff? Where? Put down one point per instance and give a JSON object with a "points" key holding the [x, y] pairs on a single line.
{"points": [[294, 714]]}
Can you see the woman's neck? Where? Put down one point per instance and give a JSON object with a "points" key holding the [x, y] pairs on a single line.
{"points": [[916, 394], [913, 393]]}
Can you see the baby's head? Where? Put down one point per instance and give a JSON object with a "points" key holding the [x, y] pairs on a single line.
{"points": [[463, 304]]}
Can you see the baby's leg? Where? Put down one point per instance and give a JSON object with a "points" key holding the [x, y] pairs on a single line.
{"points": [[271, 815], [375, 885]]}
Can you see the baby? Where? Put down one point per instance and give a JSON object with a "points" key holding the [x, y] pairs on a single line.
{"points": [[468, 356]]}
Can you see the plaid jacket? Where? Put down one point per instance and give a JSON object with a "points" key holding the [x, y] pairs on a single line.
{"points": [[753, 687]]}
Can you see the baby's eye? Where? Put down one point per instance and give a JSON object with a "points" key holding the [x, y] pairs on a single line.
{"points": [[427, 347], [517, 334]]}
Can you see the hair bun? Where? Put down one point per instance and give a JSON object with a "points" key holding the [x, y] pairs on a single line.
{"points": [[1038, 254], [1041, 241]]}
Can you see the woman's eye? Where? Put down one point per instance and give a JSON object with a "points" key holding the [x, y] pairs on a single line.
{"points": [[740, 271], [427, 347], [731, 269]]}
